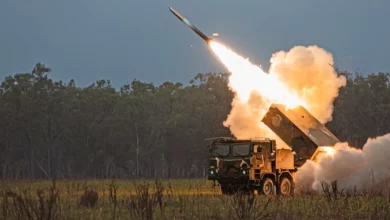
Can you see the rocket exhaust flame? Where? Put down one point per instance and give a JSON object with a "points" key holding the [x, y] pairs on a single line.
{"points": [[247, 78]]}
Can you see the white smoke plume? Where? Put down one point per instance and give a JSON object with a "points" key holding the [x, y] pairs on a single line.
{"points": [[245, 118], [310, 72], [350, 167]]}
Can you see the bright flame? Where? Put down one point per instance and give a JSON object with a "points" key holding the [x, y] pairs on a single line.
{"points": [[329, 150], [247, 78]]}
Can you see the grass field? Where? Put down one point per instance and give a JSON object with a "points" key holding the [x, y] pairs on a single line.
{"points": [[175, 199]]}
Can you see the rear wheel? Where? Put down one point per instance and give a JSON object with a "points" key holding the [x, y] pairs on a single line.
{"points": [[267, 188], [285, 187]]}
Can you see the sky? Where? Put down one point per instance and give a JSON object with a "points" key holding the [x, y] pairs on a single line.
{"points": [[123, 40]]}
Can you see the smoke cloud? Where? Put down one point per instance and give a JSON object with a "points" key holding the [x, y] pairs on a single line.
{"points": [[245, 118], [350, 167], [309, 71], [305, 72]]}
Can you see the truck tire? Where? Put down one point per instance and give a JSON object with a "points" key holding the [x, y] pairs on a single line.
{"points": [[267, 187], [285, 187]]}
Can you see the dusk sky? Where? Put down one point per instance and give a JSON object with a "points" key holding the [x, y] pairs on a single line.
{"points": [[121, 40]]}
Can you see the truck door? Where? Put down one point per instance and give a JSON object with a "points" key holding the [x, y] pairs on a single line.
{"points": [[266, 153], [257, 160]]}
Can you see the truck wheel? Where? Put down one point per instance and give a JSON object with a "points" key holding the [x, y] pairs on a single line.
{"points": [[267, 187], [285, 187]]}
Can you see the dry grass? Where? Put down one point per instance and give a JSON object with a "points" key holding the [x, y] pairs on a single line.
{"points": [[177, 199]]}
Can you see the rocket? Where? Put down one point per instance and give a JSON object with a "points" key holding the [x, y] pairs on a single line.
{"points": [[185, 21]]}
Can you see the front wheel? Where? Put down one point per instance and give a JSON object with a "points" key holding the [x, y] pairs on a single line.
{"points": [[267, 188]]}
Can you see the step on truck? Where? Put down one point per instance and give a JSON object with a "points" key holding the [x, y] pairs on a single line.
{"points": [[260, 165]]}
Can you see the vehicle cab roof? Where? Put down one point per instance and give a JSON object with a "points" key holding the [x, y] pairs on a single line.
{"points": [[217, 140]]}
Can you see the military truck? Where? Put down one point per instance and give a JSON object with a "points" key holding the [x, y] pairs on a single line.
{"points": [[260, 165]]}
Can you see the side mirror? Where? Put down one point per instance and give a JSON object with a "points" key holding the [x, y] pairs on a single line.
{"points": [[259, 149]]}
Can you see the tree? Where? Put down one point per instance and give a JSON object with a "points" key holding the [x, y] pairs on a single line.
{"points": [[57, 129]]}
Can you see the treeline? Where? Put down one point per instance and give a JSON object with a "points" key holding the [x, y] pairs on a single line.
{"points": [[54, 129]]}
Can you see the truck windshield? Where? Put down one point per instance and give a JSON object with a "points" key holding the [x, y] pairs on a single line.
{"points": [[241, 150], [220, 150]]}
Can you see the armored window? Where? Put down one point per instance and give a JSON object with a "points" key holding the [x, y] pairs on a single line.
{"points": [[241, 149], [219, 150]]}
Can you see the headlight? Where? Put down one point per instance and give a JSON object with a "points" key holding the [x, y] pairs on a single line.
{"points": [[211, 172], [243, 172]]}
